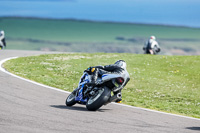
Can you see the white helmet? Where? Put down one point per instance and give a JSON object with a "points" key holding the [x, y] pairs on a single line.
{"points": [[153, 37], [121, 63], [2, 32]]}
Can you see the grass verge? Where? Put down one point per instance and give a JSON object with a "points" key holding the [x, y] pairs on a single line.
{"points": [[164, 83]]}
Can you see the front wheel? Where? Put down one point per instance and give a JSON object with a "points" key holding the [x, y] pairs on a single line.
{"points": [[98, 99], [70, 101]]}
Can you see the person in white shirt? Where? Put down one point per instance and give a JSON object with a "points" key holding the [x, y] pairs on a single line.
{"points": [[151, 46], [2, 39]]}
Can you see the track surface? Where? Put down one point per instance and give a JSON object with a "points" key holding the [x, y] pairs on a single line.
{"points": [[29, 108]]}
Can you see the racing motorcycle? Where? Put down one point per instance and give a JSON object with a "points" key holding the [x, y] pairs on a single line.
{"points": [[95, 97]]}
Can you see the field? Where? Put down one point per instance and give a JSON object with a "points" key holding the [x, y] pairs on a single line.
{"points": [[88, 36], [165, 83]]}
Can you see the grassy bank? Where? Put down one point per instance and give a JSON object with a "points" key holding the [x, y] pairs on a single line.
{"points": [[166, 83], [87, 36]]}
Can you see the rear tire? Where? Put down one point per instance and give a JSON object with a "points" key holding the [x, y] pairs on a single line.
{"points": [[98, 100], [70, 101]]}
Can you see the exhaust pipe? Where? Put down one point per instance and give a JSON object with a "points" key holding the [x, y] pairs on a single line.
{"points": [[114, 98]]}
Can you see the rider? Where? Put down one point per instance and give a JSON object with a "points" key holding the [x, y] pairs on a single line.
{"points": [[151, 46], [95, 71], [2, 39], [116, 68]]}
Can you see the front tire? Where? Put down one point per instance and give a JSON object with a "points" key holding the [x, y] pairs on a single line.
{"points": [[70, 101], [99, 99]]}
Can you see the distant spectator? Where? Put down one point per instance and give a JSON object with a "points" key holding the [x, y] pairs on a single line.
{"points": [[2, 39], [151, 46]]}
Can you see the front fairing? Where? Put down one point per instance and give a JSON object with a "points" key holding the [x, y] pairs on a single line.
{"points": [[79, 97], [85, 78]]}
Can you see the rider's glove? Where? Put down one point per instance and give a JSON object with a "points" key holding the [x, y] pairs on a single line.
{"points": [[90, 70]]}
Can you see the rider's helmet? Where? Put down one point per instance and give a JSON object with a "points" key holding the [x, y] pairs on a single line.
{"points": [[153, 38], [121, 63], [1, 32]]}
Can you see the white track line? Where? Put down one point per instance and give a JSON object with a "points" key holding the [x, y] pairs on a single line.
{"points": [[3, 70], [46, 86]]}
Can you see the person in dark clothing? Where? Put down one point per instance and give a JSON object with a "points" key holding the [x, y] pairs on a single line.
{"points": [[2, 39]]}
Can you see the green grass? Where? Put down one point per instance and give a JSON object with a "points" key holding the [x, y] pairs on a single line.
{"points": [[86, 31], [165, 83], [87, 36]]}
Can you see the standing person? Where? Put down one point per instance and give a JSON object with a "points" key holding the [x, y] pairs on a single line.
{"points": [[2, 39], [151, 46]]}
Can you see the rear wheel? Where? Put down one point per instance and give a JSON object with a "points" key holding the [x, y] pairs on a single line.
{"points": [[70, 101], [98, 99]]}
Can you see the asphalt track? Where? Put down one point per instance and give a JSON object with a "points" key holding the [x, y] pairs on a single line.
{"points": [[29, 108]]}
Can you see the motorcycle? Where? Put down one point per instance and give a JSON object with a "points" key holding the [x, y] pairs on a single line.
{"points": [[96, 97], [153, 51]]}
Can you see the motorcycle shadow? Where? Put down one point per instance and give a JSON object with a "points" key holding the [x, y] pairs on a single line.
{"points": [[194, 128], [77, 108]]}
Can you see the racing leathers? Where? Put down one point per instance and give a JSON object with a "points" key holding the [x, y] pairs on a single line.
{"points": [[100, 70]]}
